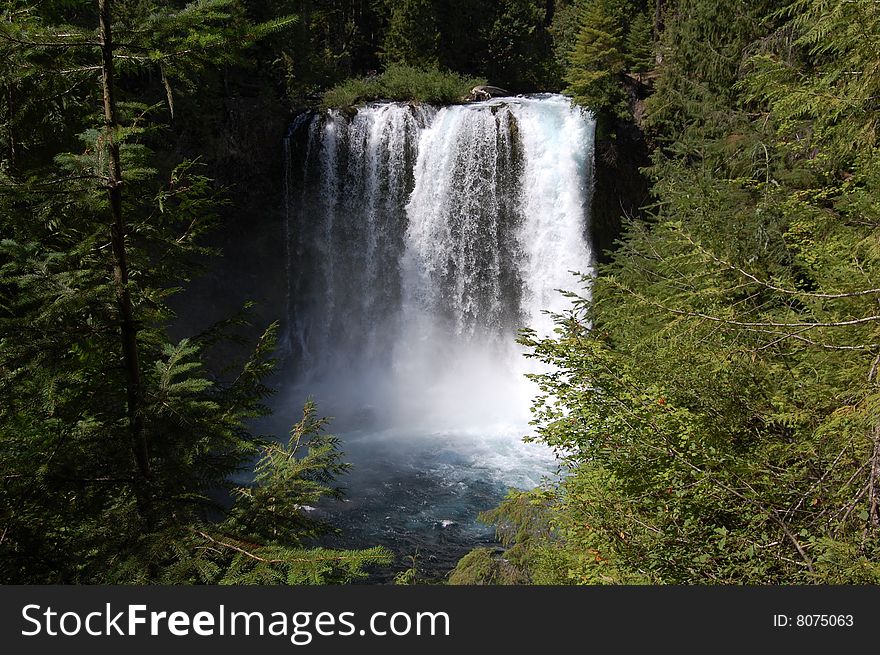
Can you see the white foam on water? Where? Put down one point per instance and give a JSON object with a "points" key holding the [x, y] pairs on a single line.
{"points": [[428, 238]]}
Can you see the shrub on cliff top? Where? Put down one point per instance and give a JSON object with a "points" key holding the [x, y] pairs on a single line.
{"points": [[402, 83]]}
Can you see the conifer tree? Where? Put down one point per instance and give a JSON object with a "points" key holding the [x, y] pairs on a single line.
{"points": [[117, 446], [612, 40], [597, 59], [519, 46], [412, 37], [716, 396]]}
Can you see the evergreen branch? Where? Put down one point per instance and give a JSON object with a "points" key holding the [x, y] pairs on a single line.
{"points": [[78, 69], [773, 287], [825, 346], [49, 44], [240, 550], [671, 449], [750, 324], [286, 560], [874, 476], [758, 324]]}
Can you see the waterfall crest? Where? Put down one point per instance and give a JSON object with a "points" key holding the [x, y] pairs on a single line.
{"points": [[420, 240]]}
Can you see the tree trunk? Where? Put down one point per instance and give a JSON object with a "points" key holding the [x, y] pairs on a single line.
{"points": [[10, 108], [658, 19], [549, 12], [128, 326], [873, 481]]}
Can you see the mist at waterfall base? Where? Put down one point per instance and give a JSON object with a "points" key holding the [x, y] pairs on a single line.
{"points": [[420, 240]]}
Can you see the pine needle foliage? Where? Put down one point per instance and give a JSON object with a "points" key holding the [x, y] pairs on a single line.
{"points": [[402, 83], [613, 45], [715, 394], [106, 477]]}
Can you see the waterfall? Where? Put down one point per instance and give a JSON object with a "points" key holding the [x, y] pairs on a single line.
{"points": [[420, 241]]}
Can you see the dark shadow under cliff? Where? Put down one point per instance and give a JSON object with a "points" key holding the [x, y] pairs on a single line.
{"points": [[621, 189]]}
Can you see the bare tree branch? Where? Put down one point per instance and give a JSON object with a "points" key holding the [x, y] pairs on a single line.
{"points": [[773, 287]]}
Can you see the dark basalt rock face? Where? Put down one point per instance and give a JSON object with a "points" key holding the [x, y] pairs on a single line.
{"points": [[621, 189], [241, 149], [487, 92]]}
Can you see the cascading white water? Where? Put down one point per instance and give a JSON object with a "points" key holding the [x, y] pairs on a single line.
{"points": [[556, 186], [421, 240]]}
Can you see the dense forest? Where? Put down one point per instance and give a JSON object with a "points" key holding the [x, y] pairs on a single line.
{"points": [[713, 392], [715, 397]]}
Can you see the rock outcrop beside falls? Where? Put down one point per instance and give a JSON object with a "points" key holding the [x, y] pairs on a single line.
{"points": [[487, 92]]}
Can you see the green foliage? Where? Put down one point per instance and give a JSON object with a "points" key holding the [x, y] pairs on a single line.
{"points": [[521, 524], [482, 567], [520, 48], [266, 535], [832, 108], [639, 44], [287, 480], [564, 30], [701, 50], [74, 505], [597, 61], [402, 83], [614, 39], [412, 37], [334, 40], [715, 393], [409, 576]]}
